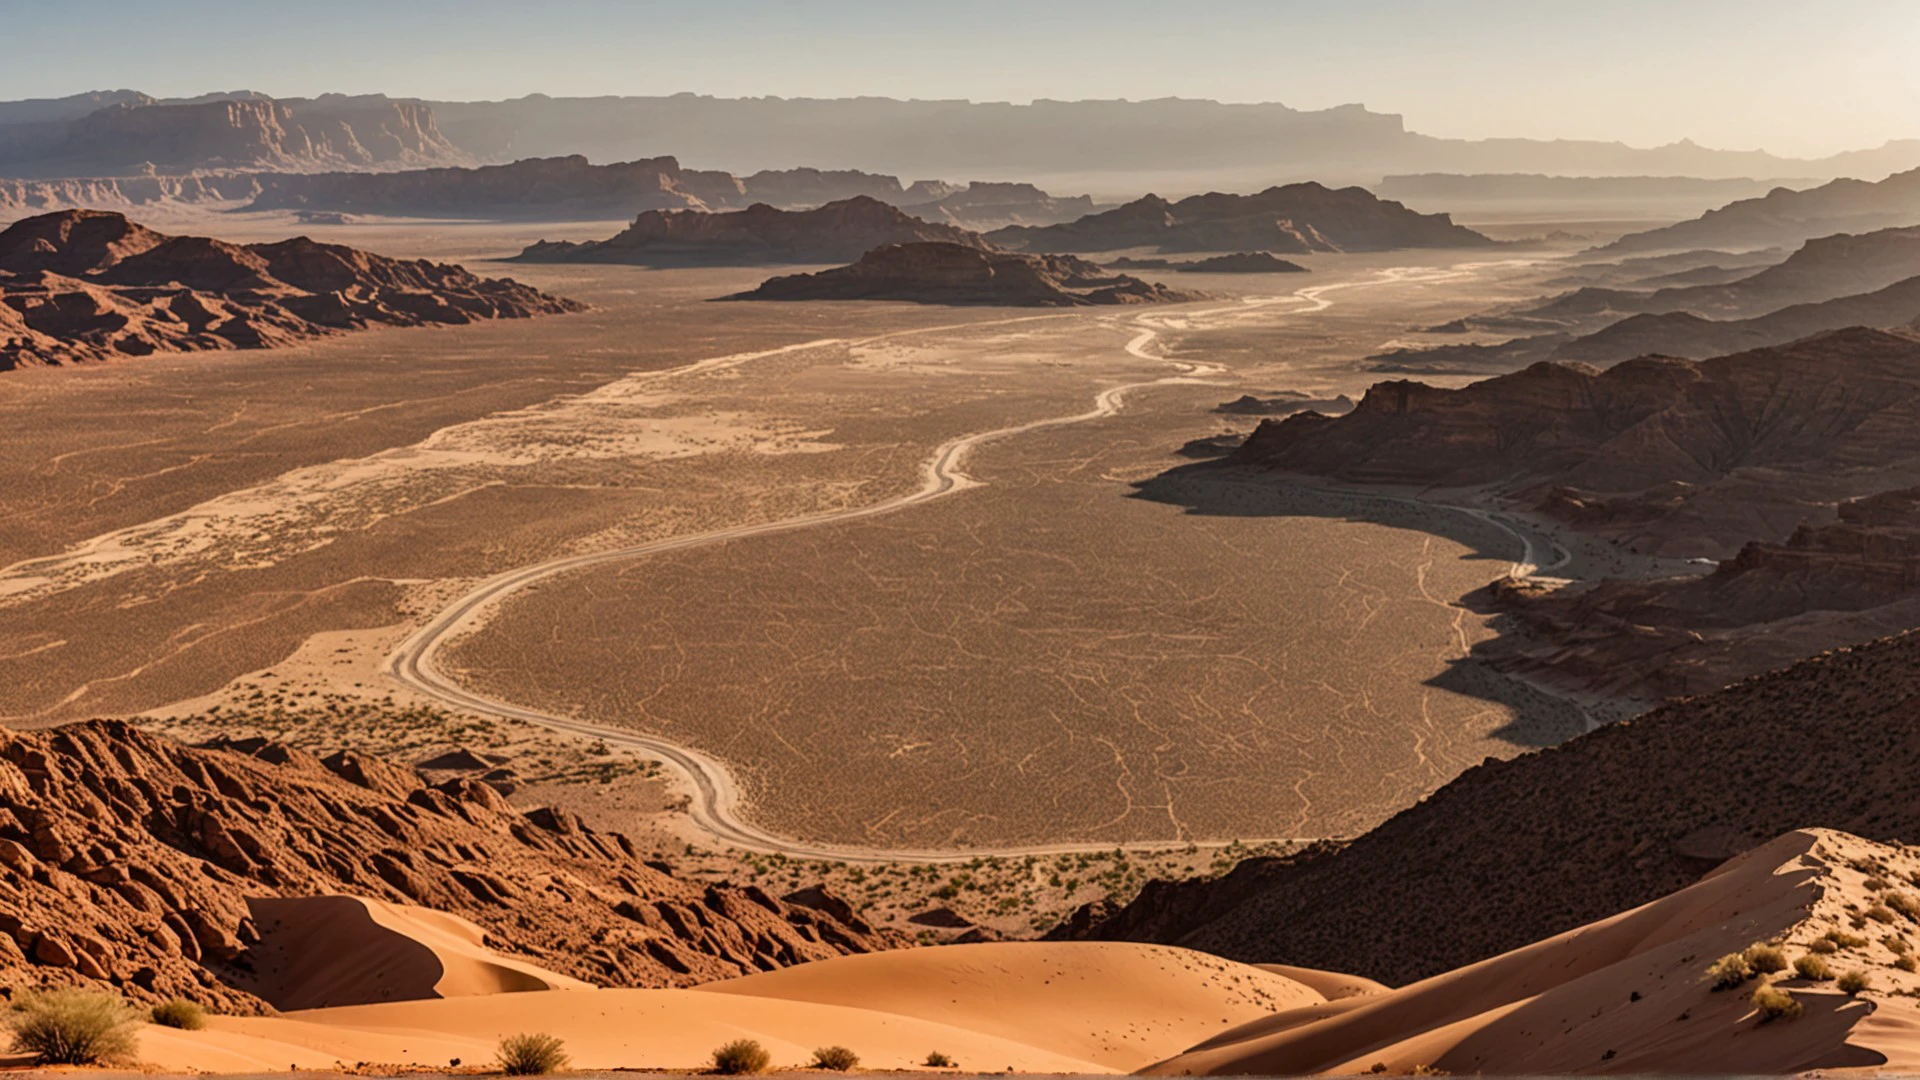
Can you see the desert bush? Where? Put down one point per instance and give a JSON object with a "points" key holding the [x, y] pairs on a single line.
{"points": [[1765, 959], [1896, 943], [73, 1027], [1855, 982], [180, 1013], [837, 1058], [1907, 962], [1876, 883], [1904, 903], [1812, 967], [1881, 913], [1774, 1003], [1845, 940], [1823, 947], [938, 1060], [531, 1055], [741, 1057], [1730, 971]]}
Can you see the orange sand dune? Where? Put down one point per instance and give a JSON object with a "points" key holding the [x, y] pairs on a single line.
{"points": [[1111, 1005], [345, 950], [1032, 1007], [1630, 993]]}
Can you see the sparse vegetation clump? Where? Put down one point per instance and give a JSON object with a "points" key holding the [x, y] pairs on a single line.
{"points": [[1765, 959], [1855, 982], [531, 1055], [1814, 967], [1845, 940], [73, 1027], [1881, 913], [180, 1013], [938, 1060], [837, 1058], [1773, 1003], [1730, 971], [1907, 962], [741, 1057], [1904, 903]]}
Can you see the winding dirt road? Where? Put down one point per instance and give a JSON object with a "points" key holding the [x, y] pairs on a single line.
{"points": [[716, 806]]}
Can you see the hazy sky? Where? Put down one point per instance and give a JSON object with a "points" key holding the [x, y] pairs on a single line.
{"points": [[1793, 76]]}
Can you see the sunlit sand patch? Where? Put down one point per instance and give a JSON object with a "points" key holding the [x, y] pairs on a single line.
{"points": [[310, 507]]}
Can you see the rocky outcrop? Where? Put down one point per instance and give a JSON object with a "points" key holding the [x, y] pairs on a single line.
{"points": [[1784, 217], [537, 187], [1514, 851], [983, 205], [127, 860], [837, 232], [814, 187], [1677, 457], [1827, 585], [239, 133], [1245, 262], [19, 198], [941, 273], [80, 286], [1295, 219]]}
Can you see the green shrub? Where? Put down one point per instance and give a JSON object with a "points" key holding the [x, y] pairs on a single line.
{"points": [[1774, 1003], [180, 1013], [531, 1055], [1730, 971], [837, 1058], [1765, 959], [73, 1027], [938, 1060], [740, 1057], [1812, 967], [1855, 982]]}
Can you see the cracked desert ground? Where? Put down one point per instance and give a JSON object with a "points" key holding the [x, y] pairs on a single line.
{"points": [[1048, 654]]}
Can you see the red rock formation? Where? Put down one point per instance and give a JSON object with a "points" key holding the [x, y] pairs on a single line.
{"points": [[127, 860], [837, 232], [1297, 218], [83, 285], [1687, 458], [940, 273]]}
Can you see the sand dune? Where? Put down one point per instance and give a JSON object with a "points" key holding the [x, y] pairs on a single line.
{"points": [[347, 950], [1630, 993], [1032, 1007], [1110, 1006]]}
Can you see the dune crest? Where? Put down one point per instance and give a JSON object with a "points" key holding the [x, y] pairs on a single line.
{"points": [[317, 951], [1631, 993]]}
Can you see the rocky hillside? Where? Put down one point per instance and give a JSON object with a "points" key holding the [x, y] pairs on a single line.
{"points": [[247, 132], [127, 859], [1515, 851], [1785, 217], [1671, 457], [1853, 579], [942, 273], [543, 187], [1295, 219], [837, 232], [983, 205], [81, 285]]}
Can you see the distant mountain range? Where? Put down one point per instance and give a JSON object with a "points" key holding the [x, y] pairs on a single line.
{"points": [[1157, 143]]}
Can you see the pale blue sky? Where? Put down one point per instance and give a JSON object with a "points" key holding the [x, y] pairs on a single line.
{"points": [[1793, 76]]}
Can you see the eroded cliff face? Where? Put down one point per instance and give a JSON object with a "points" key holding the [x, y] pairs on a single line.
{"points": [[127, 860], [82, 285], [238, 133]]}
